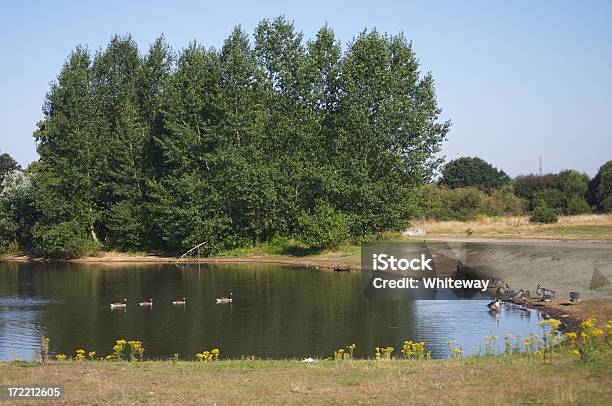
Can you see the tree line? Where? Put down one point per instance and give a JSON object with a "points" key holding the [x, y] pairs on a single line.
{"points": [[263, 138], [470, 187]]}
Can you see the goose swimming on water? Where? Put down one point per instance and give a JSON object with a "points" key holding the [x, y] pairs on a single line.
{"points": [[119, 305], [146, 303], [224, 299], [179, 302], [495, 305]]}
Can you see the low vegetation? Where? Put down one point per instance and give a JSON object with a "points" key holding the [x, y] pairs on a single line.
{"points": [[412, 378], [581, 227]]}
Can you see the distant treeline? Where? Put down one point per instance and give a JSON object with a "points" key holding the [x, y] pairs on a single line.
{"points": [[229, 147], [470, 187]]}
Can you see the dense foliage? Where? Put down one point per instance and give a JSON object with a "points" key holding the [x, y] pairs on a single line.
{"points": [[472, 172], [442, 203], [233, 146], [599, 191], [564, 192], [8, 165], [544, 214]]}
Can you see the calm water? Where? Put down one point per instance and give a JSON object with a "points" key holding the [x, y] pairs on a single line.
{"points": [[278, 312]]}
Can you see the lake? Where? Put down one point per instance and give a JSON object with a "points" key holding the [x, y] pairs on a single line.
{"points": [[277, 312]]}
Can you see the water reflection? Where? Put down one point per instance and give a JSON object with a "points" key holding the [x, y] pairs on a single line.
{"points": [[277, 312]]}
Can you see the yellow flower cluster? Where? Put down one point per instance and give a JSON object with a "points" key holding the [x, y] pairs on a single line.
{"points": [[588, 323], [414, 350], [208, 356], [383, 353], [79, 355], [60, 357], [135, 347], [347, 354], [553, 323], [456, 352], [583, 343]]}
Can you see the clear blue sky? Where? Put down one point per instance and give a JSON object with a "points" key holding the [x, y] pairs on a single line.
{"points": [[519, 79]]}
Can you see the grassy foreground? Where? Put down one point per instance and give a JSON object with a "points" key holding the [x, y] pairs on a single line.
{"points": [[514, 379]]}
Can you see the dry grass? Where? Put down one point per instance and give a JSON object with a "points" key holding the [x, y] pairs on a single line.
{"points": [[582, 227], [490, 381]]}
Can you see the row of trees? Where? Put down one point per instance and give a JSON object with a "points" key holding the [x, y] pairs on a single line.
{"points": [[229, 147], [469, 187]]}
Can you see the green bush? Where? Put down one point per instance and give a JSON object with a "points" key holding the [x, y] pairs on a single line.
{"points": [[544, 214], [324, 227], [64, 240], [463, 204], [578, 205], [607, 205], [556, 190]]}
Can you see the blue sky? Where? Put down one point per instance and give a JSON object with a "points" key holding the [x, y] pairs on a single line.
{"points": [[519, 79]]}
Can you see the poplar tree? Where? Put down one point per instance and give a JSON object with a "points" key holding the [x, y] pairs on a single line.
{"points": [[235, 146]]}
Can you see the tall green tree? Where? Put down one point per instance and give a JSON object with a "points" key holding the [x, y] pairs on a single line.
{"points": [[387, 133], [121, 140], [7, 165], [599, 191], [234, 146], [472, 172], [65, 177]]}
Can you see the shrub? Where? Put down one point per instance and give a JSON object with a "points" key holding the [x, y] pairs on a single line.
{"points": [[556, 190], [544, 214], [464, 204], [65, 240], [606, 205], [324, 227], [578, 205]]}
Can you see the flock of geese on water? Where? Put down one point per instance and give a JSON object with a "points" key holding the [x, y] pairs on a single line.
{"points": [[503, 294], [179, 302]]}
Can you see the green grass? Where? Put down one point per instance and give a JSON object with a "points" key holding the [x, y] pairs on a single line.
{"points": [[287, 247], [507, 379]]}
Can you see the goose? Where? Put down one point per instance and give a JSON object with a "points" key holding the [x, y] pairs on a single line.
{"points": [[539, 290], [546, 295], [146, 303], [223, 300], [495, 305], [574, 296], [119, 305], [179, 302], [502, 290]]}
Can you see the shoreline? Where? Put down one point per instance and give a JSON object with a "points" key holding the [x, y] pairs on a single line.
{"points": [[571, 315]]}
